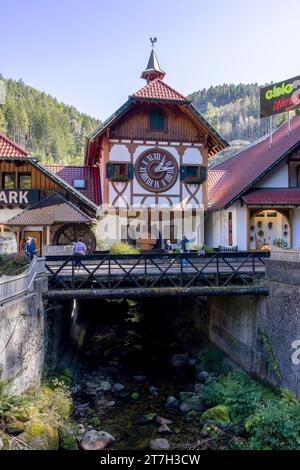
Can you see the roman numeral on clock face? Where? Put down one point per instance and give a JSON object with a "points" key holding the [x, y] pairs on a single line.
{"points": [[156, 170]]}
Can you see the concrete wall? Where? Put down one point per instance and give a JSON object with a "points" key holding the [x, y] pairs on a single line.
{"points": [[260, 334], [22, 340]]}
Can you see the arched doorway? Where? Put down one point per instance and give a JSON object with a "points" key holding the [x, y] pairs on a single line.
{"points": [[69, 234], [270, 228]]}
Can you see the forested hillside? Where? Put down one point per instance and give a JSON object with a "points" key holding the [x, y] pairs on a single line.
{"points": [[234, 111], [55, 132], [52, 131]]}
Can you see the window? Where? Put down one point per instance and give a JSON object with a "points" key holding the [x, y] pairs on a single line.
{"points": [[119, 170], [8, 181], [193, 174], [192, 171], [157, 120], [298, 176], [79, 183], [24, 180], [230, 228]]}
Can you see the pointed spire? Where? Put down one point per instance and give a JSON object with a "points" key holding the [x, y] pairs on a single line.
{"points": [[153, 69]]}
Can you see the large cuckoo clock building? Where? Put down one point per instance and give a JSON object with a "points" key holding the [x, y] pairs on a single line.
{"points": [[152, 154]]}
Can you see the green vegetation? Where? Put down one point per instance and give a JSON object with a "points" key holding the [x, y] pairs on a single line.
{"points": [[49, 129], [233, 110], [271, 360], [238, 391], [42, 415], [267, 419], [123, 248], [195, 246], [275, 425], [12, 264]]}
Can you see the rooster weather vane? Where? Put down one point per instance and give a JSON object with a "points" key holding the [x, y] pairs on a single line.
{"points": [[153, 41]]}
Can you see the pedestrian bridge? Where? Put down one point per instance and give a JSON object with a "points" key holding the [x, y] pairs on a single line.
{"points": [[147, 275]]}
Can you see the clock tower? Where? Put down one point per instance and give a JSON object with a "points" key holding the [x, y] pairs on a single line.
{"points": [[152, 155]]}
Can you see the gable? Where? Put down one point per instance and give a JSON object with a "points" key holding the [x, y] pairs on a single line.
{"points": [[38, 179], [278, 177], [136, 124]]}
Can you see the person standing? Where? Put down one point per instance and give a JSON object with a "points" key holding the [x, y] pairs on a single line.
{"points": [[168, 247], [79, 251], [184, 249], [31, 248], [23, 246]]}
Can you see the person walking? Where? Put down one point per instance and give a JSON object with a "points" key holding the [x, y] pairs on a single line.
{"points": [[79, 251]]}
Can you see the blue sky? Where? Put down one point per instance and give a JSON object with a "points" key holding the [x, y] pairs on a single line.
{"points": [[90, 53]]}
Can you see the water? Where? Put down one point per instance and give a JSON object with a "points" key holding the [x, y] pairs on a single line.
{"points": [[125, 341]]}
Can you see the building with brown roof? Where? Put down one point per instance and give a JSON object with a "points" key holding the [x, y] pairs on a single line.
{"points": [[53, 204], [254, 196], [152, 154]]}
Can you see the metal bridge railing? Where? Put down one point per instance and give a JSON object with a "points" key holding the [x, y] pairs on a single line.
{"points": [[13, 286], [154, 270]]}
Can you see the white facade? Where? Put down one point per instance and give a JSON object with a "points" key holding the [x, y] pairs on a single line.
{"points": [[181, 196], [133, 194], [264, 225], [217, 227]]}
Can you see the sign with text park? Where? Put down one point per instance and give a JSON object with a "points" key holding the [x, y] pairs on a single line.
{"points": [[280, 97], [19, 197]]}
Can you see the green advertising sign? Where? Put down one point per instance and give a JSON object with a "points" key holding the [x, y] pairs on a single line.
{"points": [[280, 97]]}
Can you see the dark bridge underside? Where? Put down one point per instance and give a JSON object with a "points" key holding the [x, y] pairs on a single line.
{"points": [[147, 275]]}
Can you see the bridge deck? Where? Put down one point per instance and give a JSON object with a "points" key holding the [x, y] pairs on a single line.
{"points": [[155, 271]]}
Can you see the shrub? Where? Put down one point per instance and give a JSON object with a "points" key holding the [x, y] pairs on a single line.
{"points": [[275, 425], [238, 391], [11, 405], [123, 248], [12, 264], [211, 360]]}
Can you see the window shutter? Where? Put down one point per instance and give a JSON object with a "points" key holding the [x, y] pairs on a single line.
{"points": [[182, 173], [203, 173], [157, 120], [130, 171], [109, 170]]}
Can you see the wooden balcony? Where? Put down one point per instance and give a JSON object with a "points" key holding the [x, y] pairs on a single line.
{"points": [[157, 136]]}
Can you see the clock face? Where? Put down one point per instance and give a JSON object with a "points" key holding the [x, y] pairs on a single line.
{"points": [[156, 170]]}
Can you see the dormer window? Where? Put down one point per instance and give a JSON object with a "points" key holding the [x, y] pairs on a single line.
{"points": [[157, 120], [79, 183]]}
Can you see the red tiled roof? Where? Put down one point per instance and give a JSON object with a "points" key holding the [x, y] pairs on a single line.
{"points": [[54, 209], [8, 148], [214, 180], [91, 176], [159, 90], [247, 166], [273, 196]]}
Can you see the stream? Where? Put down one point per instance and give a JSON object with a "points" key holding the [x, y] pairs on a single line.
{"points": [[135, 380]]}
